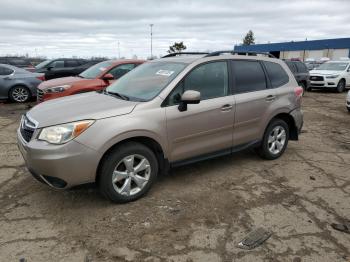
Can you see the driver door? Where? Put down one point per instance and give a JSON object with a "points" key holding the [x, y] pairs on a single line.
{"points": [[206, 127]]}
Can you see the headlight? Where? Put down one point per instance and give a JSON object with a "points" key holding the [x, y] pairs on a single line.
{"points": [[58, 89], [61, 134], [332, 76]]}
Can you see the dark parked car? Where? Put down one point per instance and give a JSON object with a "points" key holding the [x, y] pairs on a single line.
{"points": [[300, 72], [20, 62], [63, 67], [17, 84]]}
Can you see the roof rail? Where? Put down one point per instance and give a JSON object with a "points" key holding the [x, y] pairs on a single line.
{"points": [[217, 53], [185, 53]]}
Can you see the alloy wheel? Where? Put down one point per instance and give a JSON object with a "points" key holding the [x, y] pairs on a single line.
{"points": [[20, 94], [277, 140], [131, 175]]}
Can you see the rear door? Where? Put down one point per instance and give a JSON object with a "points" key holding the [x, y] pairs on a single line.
{"points": [[254, 101]]}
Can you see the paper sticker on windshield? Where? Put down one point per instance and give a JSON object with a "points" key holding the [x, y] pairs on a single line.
{"points": [[165, 73]]}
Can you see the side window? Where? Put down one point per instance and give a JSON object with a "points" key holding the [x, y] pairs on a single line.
{"points": [[249, 76], [4, 71], [292, 67], [210, 79], [278, 77], [71, 63], [121, 70], [57, 64], [301, 67]]}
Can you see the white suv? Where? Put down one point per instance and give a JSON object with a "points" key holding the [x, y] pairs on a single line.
{"points": [[332, 74]]}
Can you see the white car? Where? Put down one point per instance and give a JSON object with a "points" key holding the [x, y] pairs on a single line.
{"points": [[348, 101], [331, 75]]}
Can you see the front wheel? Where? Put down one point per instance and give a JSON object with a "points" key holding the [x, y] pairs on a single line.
{"points": [[127, 172], [275, 140], [341, 86], [19, 94]]}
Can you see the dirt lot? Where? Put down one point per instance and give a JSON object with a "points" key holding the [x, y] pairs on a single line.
{"points": [[199, 212]]}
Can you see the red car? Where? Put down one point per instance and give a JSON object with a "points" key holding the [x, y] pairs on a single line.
{"points": [[94, 78]]}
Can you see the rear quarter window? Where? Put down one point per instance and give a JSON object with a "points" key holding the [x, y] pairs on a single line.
{"points": [[4, 71], [278, 77]]}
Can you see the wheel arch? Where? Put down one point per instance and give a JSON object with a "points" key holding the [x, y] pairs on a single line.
{"points": [[149, 142], [21, 85], [288, 118]]}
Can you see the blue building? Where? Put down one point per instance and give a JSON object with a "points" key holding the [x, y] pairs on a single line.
{"points": [[315, 49]]}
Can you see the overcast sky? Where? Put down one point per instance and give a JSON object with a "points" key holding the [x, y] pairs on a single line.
{"points": [[65, 28]]}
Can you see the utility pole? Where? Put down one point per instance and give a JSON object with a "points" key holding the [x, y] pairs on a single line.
{"points": [[118, 50], [151, 25]]}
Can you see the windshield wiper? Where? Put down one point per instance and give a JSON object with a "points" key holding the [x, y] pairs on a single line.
{"points": [[124, 97]]}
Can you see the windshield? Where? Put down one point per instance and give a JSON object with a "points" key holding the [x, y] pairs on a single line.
{"points": [[333, 66], [43, 64], [147, 80], [96, 70]]}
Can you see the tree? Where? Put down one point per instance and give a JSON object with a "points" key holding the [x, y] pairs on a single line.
{"points": [[249, 38], [177, 47]]}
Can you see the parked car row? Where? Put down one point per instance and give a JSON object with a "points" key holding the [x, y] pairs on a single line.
{"points": [[97, 77], [164, 113]]}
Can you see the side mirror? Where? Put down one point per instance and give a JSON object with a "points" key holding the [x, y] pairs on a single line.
{"points": [[49, 68], [108, 77], [189, 97]]}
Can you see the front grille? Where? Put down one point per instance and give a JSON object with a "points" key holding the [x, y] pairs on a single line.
{"points": [[316, 78], [317, 84], [27, 128], [39, 94]]}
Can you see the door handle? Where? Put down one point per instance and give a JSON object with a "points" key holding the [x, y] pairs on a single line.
{"points": [[226, 107], [270, 98]]}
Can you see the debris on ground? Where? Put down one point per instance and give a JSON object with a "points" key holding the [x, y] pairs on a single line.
{"points": [[255, 238], [342, 227]]}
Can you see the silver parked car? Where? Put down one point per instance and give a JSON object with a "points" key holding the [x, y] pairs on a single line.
{"points": [[166, 112], [17, 84]]}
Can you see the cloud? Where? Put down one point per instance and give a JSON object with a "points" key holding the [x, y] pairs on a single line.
{"points": [[87, 28]]}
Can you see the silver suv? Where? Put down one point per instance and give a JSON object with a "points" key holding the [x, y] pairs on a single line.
{"points": [[165, 113]]}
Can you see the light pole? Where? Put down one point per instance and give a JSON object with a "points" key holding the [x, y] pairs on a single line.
{"points": [[151, 25], [118, 51]]}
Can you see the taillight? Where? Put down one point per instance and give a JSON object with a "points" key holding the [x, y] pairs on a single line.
{"points": [[298, 91], [42, 78]]}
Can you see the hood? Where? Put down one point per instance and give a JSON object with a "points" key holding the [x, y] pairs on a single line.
{"points": [[91, 105], [324, 72], [61, 81]]}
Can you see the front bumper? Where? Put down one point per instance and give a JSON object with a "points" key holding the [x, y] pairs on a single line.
{"points": [[59, 166], [325, 83]]}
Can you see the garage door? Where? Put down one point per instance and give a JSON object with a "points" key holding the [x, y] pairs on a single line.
{"points": [[315, 54], [338, 53]]}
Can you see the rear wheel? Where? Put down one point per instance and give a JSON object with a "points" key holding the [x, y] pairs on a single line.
{"points": [[19, 94], [275, 140], [341, 86], [127, 172]]}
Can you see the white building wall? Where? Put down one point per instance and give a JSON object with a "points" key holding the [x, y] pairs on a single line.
{"points": [[338, 53]]}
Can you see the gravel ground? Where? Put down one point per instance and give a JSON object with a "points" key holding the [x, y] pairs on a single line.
{"points": [[198, 212]]}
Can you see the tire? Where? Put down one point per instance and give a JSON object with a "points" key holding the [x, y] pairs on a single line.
{"points": [[341, 86], [19, 94], [348, 109], [113, 167], [266, 148]]}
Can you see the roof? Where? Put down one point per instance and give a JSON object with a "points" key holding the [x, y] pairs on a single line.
{"points": [[187, 59], [337, 43]]}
